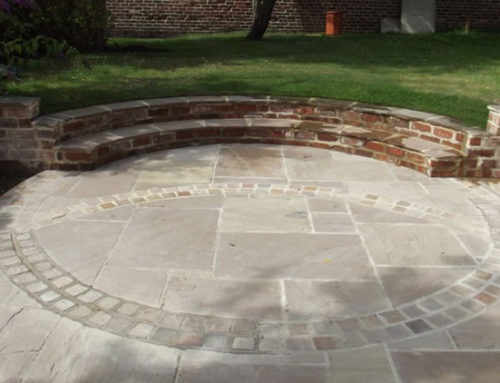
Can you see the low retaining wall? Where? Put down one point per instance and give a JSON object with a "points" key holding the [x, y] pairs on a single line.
{"points": [[88, 137]]}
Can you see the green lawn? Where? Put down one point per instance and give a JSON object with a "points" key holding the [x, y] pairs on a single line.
{"points": [[452, 74]]}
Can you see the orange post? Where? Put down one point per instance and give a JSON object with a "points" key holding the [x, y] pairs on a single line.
{"points": [[333, 23]]}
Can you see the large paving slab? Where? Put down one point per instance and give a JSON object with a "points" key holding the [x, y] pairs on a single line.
{"points": [[314, 300], [406, 284], [444, 367], [233, 299], [366, 365], [405, 245], [249, 263], [265, 214], [174, 238], [250, 162], [278, 256], [84, 259]]}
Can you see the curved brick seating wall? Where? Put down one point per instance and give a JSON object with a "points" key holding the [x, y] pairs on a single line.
{"points": [[85, 138]]}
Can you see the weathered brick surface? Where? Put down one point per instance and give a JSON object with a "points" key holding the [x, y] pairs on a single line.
{"points": [[168, 17], [18, 140]]}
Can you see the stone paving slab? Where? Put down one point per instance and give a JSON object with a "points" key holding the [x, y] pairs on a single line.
{"points": [[185, 240], [404, 245], [332, 275], [86, 259], [478, 367], [334, 257]]}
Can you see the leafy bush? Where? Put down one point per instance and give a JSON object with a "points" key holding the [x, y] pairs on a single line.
{"points": [[16, 19], [83, 24], [14, 51]]}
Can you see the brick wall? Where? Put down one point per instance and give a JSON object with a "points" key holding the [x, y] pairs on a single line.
{"points": [[18, 144], [168, 17], [79, 139], [483, 15]]}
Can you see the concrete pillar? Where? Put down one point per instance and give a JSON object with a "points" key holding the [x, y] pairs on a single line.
{"points": [[418, 16]]}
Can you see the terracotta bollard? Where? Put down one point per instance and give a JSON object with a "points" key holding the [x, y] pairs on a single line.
{"points": [[333, 23]]}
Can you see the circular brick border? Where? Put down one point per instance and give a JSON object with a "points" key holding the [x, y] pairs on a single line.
{"points": [[30, 268]]}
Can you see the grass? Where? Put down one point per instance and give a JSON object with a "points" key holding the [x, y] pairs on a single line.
{"points": [[453, 74]]}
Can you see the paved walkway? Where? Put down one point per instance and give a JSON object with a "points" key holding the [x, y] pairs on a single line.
{"points": [[249, 264]]}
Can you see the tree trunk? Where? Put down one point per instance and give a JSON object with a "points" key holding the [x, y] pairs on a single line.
{"points": [[262, 10]]}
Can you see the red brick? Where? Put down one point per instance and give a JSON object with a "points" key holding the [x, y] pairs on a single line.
{"points": [[369, 117], [319, 145], [395, 152], [460, 137], [179, 110], [73, 126], [78, 156], [416, 157], [234, 132], [141, 141], [383, 157], [304, 110], [281, 133], [184, 134], [322, 136], [210, 132], [475, 141], [482, 153], [361, 152], [443, 163], [263, 108], [158, 112], [224, 108], [411, 165], [452, 145], [443, 133], [421, 126], [375, 146], [247, 108]]}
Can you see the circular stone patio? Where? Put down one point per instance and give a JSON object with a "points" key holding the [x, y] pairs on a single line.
{"points": [[294, 253]]}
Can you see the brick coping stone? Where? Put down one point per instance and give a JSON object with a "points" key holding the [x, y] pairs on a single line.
{"points": [[85, 138], [28, 266]]}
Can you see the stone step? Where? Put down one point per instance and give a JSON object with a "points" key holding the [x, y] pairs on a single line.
{"points": [[89, 151]]}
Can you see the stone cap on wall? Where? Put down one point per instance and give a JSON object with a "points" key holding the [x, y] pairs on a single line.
{"points": [[494, 108]]}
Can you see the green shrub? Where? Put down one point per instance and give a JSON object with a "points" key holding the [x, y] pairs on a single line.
{"points": [[16, 19], [83, 24]]}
